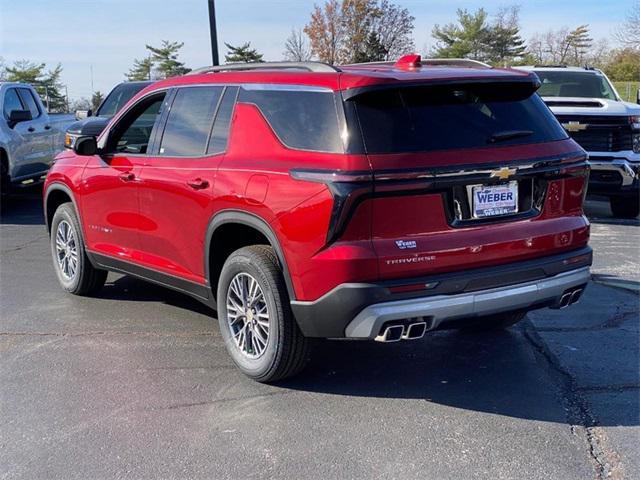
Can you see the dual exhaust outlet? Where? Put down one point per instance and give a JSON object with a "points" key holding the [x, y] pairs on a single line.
{"points": [[394, 332], [570, 297]]}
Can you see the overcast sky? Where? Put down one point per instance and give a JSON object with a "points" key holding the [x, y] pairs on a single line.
{"points": [[108, 34]]}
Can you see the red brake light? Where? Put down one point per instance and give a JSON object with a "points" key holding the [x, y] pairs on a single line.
{"points": [[409, 61]]}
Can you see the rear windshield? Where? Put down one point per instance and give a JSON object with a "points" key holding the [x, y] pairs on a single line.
{"points": [[118, 97], [574, 84], [427, 118]]}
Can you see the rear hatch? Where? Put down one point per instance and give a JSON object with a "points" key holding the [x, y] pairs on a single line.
{"points": [[468, 175]]}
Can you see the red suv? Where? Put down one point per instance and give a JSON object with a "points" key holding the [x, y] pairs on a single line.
{"points": [[375, 201]]}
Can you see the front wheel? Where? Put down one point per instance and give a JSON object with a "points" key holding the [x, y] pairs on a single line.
{"points": [[255, 317], [625, 207], [73, 268]]}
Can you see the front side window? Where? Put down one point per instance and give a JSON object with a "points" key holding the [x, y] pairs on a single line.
{"points": [[428, 118], [11, 102], [302, 119], [30, 102], [574, 84], [132, 134], [189, 121]]}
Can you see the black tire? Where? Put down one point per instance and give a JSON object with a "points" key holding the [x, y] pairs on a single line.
{"points": [[4, 180], [87, 279], [286, 350], [625, 207], [499, 321]]}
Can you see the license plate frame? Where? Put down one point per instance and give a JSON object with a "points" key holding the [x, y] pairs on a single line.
{"points": [[499, 208]]}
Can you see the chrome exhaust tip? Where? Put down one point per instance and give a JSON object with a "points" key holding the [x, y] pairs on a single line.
{"points": [[564, 300], [575, 295], [391, 333], [415, 331]]}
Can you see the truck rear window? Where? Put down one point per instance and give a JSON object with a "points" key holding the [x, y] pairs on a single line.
{"points": [[427, 118]]}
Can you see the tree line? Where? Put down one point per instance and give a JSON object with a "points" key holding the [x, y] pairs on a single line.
{"points": [[355, 31]]}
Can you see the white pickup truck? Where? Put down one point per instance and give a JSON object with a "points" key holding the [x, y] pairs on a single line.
{"points": [[591, 111], [30, 138]]}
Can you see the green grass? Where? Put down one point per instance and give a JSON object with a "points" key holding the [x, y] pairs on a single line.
{"points": [[627, 94]]}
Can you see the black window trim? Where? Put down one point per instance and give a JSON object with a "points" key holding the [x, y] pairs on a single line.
{"points": [[215, 118], [24, 102]]}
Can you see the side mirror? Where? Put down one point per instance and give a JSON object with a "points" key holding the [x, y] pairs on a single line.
{"points": [[17, 116], [82, 114], [86, 146]]}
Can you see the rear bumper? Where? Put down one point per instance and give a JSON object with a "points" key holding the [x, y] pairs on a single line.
{"points": [[358, 310], [436, 310]]}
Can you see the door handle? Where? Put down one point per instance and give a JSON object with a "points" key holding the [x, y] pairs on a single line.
{"points": [[127, 177], [47, 127], [198, 184], [31, 129]]}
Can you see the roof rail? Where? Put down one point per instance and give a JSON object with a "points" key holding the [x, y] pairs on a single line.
{"points": [[317, 67], [455, 62], [542, 65]]}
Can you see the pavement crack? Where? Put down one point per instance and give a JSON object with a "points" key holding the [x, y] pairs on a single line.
{"points": [[606, 461], [23, 245], [217, 401]]}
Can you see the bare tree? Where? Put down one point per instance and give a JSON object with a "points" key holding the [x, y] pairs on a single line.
{"points": [[394, 28], [629, 32], [326, 31], [296, 47]]}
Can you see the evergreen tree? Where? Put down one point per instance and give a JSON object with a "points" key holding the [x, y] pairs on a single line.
{"points": [[244, 54], [96, 100], [469, 38], [165, 59], [141, 70], [46, 83]]}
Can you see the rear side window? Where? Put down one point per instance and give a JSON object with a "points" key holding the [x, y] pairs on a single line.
{"points": [[189, 121], [303, 120], [220, 133], [30, 102], [427, 118], [11, 102]]}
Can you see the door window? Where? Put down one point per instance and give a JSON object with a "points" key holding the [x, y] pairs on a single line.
{"points": [[11, 102], [29, 101], [220, 133], [189, 121], [132, 134]]}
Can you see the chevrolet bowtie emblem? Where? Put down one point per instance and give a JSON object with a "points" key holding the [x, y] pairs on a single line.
{"points": [[574, 126], [503, 173]]}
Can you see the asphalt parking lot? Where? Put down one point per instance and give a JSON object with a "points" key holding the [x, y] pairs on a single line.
{"points": [[135, 383]]}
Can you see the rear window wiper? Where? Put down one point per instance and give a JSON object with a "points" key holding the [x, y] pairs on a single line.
{"points": [[508, 135]]}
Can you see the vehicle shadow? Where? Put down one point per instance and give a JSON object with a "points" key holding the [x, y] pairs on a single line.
{"points": [[23, 207], [497, 372]]}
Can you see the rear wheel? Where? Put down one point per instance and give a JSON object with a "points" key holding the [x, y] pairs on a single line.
{"points": [[625, 207], [4, 179], [73, 268], [255, 318], [499, 321]]}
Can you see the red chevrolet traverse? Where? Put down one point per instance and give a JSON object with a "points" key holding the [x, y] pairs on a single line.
{"points": [[375, 201]]}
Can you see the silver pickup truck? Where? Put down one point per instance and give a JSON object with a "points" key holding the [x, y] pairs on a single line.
{"points": [[30, 138], [591, 111]]}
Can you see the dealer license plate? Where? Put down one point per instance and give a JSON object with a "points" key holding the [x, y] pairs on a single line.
{"points": [[494, 200]]}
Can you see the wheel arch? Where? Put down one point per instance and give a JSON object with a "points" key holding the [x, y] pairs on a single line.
{"points": [[55, 195], [227, 218]]}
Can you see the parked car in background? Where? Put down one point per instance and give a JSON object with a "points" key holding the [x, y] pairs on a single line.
{"points": [[92, 123], [364, 202], [589, 108], [30, 137]]}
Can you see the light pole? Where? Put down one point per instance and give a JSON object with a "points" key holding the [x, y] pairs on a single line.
{"points": [[214, 33]]}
